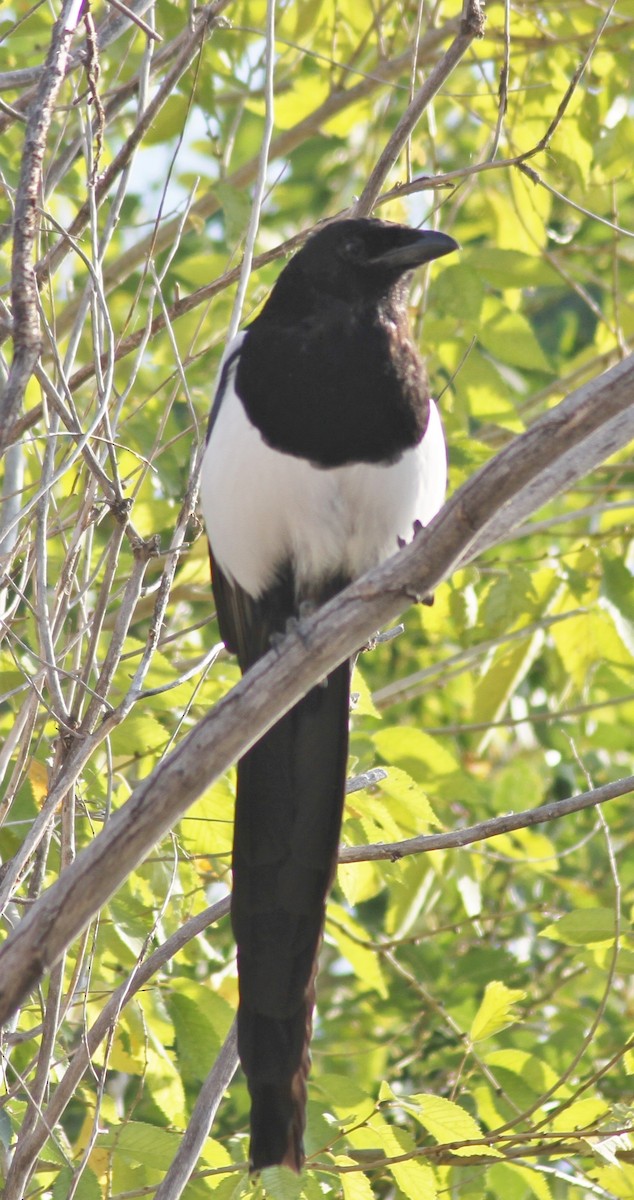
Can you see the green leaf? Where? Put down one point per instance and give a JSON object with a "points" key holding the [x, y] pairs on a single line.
{"points": [[349, 937], [579, 1115], [88, 1187], [584, 927], [139, 735], [280, 1183], [518, 786], [141, 1143], [448, 1122], [364, 704], [407, 803], [414, 1178], [511, 598], [510, 338], [535, 1073], [355, 1186], [512, 1181], [359, 881], [414, 751], [346, 1096], [236, 207], [510, 268], [201, 1020], [495, 1011], [617, 597], [501, 677]]}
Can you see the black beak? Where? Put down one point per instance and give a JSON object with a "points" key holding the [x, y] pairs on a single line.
{"points": [[421, 246]]}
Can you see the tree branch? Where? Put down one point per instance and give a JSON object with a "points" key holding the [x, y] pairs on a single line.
{"points": [[202, 1117], [490, 828], [26, 323], [381, 74], [572, 434], [472, 26], [108, 1016]]}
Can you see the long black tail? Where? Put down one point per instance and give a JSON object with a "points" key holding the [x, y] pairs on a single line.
{"points": [[288, 818]]}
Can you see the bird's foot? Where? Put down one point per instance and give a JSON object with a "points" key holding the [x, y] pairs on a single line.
{"points": [[377, 639], [294, 625], [416, 598]]}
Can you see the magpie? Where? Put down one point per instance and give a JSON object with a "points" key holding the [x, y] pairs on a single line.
{"points": [[324, 453]]}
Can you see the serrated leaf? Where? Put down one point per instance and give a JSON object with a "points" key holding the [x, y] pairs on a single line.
{"points": [[517, 787], [534, 1072], [355, 1185], [495, 1011], [407, 803], [414, 1178], [448, 1122], [585, 641], [140, 734], [345, 1095], [280, 1183], [201, 1020], [142, 1143], [510, 268], [365, 705], [512, 596], [359, 881], [510, 339], [501, 678]]}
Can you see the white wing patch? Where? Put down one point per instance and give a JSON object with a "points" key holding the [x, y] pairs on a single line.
{"points": [[263, 508]]}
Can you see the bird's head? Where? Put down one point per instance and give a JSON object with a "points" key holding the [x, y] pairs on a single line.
{"points": [[362, 259]]}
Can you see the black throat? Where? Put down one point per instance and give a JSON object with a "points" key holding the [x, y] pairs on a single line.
{"points": [[335, 383]]}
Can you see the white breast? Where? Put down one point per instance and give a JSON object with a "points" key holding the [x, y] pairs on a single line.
{"points": [[263, 508]]}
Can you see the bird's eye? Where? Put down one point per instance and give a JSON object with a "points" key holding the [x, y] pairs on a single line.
{"points": [[352, 249]]}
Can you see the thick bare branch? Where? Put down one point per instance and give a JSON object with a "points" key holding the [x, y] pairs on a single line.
{"points": [[573, 433]]}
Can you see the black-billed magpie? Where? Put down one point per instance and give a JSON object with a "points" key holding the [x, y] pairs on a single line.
{"points": [[324, 450]]}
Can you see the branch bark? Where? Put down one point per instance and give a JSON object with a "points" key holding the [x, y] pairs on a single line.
{"points": [[26, 323], [594, 421], [493, 827]]}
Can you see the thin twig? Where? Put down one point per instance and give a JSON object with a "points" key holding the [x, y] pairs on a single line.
{"points": [[260, 183], [472, 26], [493, 827], [132, 16]]}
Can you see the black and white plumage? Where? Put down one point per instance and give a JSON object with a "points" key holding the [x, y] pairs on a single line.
{"points": [[324, 450]]}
